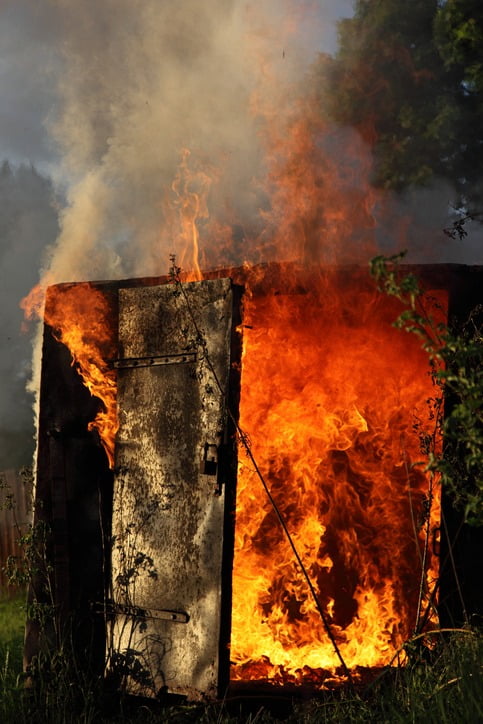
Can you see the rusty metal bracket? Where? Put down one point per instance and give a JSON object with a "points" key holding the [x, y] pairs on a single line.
{"points": [[111, 608], [209, 463], [154, 361]]}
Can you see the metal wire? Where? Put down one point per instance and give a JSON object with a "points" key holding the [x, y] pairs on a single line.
{"points": [[243, 437]]}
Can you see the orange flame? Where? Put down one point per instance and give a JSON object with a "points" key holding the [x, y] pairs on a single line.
{"points": [[185, 210], [79, 315], [330, 394], [33, 303]]}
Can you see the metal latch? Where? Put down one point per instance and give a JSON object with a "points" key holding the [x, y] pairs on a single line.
{"points": [[154, 361], [209, 463], [112, 608]]}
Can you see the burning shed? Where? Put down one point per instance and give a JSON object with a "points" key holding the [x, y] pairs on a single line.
{"points": [[240, 496]]}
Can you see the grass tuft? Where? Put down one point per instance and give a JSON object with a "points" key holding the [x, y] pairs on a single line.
{"points": [[443, 685]]}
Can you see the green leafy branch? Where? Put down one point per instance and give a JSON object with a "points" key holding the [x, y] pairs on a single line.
{"points": [[455, 355]]}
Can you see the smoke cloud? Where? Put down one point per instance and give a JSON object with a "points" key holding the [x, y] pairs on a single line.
{"points": [[140, 81], [133, 105], [105, 96], [28, 223]]}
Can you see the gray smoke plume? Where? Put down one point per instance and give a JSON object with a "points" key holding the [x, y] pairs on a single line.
{"points": [[131, 105], [28, 223], [105, 95], [137, 82], [140, 82]]}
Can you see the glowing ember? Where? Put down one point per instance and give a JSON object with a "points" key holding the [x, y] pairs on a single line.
{"points": [[330, 395], [79, 316]]}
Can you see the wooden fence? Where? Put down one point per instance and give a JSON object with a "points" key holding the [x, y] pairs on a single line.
{"points": [[15, 510]]}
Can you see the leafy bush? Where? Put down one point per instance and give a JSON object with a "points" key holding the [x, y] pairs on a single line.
{"points": [[455, 353]]}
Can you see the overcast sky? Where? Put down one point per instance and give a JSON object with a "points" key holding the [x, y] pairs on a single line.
{"points": [[31, 39], [27, 59]]}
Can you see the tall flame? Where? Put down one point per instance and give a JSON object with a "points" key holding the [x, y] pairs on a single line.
{"points": [[80, 317], [185, 209], [331, 394]]}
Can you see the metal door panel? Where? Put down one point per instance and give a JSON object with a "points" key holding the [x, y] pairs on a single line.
{"points": [[169, 499]]}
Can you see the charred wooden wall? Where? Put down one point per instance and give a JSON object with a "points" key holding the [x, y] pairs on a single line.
{"points": [[73, 500]]}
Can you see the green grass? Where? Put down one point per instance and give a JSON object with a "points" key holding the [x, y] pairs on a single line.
{"points": [[12, 622], [441, 686], [444, 686]]}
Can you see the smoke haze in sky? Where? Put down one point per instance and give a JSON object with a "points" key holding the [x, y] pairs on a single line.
{"points": [[27, 61], [137, 82], [31, 40], [104, 95]]}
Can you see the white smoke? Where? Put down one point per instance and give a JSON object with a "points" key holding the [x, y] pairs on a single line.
{"points": [[141, 81], [104, 95]]}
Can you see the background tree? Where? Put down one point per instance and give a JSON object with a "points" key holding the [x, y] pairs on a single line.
{"points": [[409, 77]]}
